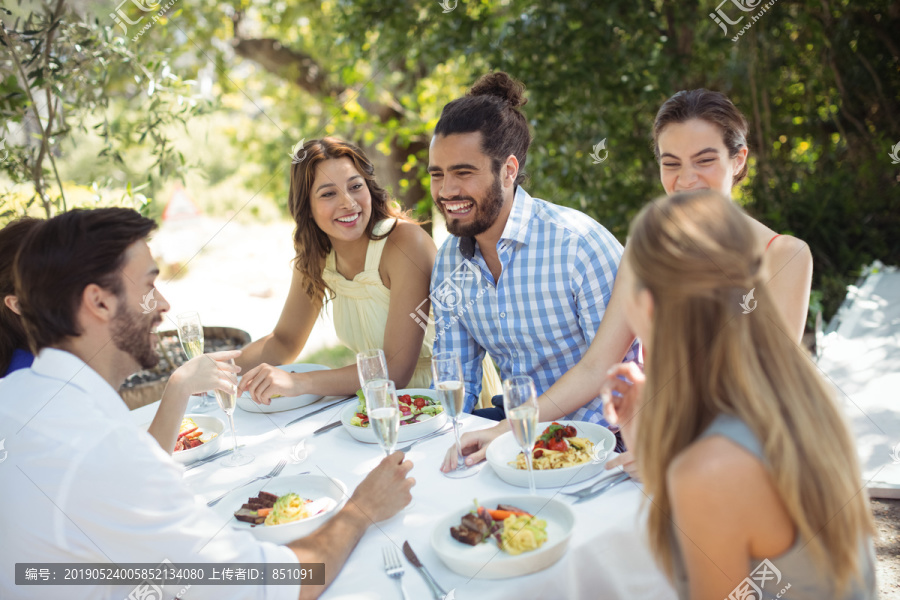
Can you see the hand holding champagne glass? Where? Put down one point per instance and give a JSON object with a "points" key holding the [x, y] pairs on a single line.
{"points": [[383, 409], [227, 402], [521, 406], [448, 381], [190, 333]]}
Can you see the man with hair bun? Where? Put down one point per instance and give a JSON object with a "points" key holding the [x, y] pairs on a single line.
{"points": [[523, 279]]}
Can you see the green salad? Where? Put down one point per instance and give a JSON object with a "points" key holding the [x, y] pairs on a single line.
{"points": [[413, 409]]}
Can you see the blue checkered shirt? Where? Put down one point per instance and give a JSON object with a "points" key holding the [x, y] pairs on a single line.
{"points": [[558, 269]]}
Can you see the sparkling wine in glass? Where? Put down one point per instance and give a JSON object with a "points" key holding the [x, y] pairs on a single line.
{"points": [[227, 402], [446, 369], [521, 407], [190, 333], [383, 409], [371, 366]]}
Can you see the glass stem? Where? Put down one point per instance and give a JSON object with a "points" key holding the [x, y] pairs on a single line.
{"points": [[460, 461], [528, 452], [233, 434]]}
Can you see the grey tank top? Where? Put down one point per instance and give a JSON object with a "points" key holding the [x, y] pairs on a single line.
{"points": [[791, 576]]}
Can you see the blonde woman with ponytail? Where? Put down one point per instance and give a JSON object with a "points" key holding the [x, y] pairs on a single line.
{"points": [[740, 444]]}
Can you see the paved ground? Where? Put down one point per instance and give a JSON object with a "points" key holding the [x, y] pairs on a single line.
{"points": [[233, 274]]}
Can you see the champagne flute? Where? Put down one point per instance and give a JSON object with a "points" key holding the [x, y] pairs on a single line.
{"points": [[226, 402], [383, 409], [521, 407], [371, 366], [190, 333], [451, 390]]}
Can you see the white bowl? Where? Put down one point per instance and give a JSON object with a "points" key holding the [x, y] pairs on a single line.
{"points": [[487, 561], [314, 487], [207, 424], [505, 449], [246, 403], [407, 432]]}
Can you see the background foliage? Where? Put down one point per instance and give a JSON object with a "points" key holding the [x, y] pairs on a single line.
{"points": [[818, 80]]}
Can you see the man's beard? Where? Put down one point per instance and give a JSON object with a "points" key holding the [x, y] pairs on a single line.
{"points": [[486, 212], [130, 334]]}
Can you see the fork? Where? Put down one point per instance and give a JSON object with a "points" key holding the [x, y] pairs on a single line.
{"points": [[437, 433], [273, 473], [394, 568], [608, 481]]}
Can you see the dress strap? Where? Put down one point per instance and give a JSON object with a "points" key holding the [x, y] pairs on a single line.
{"points": [[376, 247], [772, 240]]}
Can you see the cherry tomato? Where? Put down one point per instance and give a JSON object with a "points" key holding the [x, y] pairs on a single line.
{"points": [[558, 445], [420, 402], [405, 399]]}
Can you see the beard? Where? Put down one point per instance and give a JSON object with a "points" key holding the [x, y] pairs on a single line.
{"points": [[485, 211], [130, 333]]}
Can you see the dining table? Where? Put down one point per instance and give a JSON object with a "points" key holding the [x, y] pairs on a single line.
{"points": [[607, 557]]}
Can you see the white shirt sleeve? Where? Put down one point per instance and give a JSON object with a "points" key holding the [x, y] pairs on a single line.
{"points": [[127, 498]]}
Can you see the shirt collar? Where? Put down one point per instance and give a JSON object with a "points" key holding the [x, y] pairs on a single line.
{"points": [[516, 224], [71, 370]]}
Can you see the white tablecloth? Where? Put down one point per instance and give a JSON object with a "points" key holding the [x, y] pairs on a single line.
{"points": [[607, 556]]}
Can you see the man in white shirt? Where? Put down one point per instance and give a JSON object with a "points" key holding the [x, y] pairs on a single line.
{"points": [[78, 481]]}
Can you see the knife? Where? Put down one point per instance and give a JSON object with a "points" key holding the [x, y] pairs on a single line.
{"points": [[437, 590], [622, 478], [328, 427], [203, 461], [324, 408]]}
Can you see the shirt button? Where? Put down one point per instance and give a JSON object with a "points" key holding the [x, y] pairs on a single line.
{"points": [[503, 315]]}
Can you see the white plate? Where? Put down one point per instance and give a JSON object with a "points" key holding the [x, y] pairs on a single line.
{"points": [[505, 449], [407, 432], [315, 487], [207, 424], [244, 402], [487, 561]]}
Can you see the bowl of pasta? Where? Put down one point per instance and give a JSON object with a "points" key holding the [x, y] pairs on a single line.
{"points": [[529, 534], [284, 509], [566, 452]]}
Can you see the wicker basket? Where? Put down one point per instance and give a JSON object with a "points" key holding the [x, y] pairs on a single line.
{"points": [[147, 392]]}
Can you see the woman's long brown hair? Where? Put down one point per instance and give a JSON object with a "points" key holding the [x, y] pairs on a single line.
{"points": [[695, 254], [310, 243]]}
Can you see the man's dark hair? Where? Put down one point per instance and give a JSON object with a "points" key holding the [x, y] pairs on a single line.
{"points": [[491, 107], [63, 256], [12, 332]]}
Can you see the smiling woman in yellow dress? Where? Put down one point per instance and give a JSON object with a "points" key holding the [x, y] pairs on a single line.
{"points": [[356, 249]]}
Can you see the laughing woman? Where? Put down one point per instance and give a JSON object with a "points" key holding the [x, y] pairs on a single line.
{"points": [[742, 447], [356, 249]]}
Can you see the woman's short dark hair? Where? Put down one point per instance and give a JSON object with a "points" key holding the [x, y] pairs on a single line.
{"points": [[713, 107], [491, 106], [12, 333], [63, 256]]}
